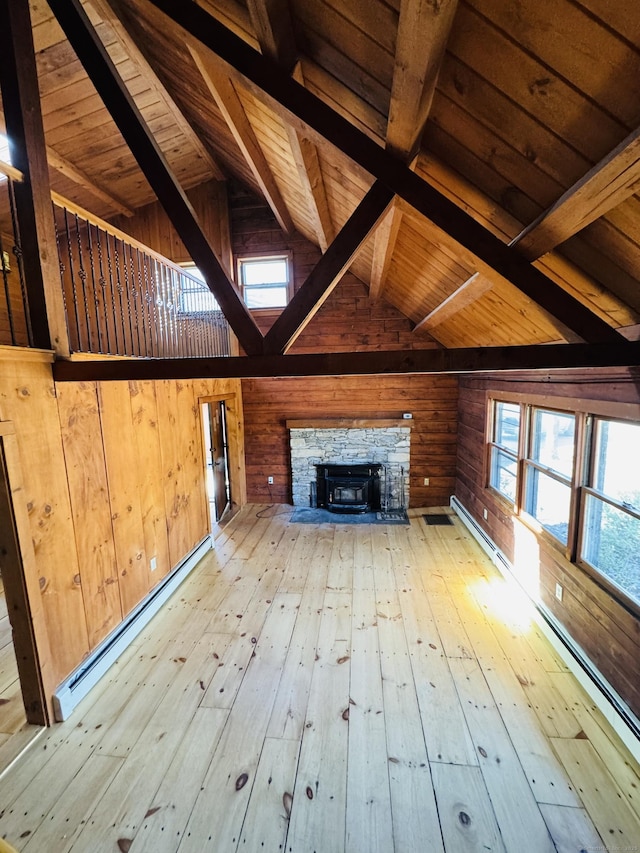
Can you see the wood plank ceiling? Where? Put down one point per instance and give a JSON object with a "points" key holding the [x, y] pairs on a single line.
{"points": [[524, 115]]}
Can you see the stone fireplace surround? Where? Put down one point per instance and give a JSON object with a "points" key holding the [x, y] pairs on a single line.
{"points": [[343, 442]]}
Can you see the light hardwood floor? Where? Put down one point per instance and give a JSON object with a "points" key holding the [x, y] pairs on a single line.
{"points": [[329, 688]]}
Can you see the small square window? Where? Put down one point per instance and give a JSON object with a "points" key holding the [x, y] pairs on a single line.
{"points": [[265, 281]]}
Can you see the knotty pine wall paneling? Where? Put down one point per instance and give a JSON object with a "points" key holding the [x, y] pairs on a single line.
{"points": [[28, 399], [603, 627], [107, 475], [79, 413]]}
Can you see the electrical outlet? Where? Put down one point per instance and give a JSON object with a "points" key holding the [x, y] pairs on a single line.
{"points": [[270, 481], [153, 564], [426, 481], [485, 514], [559, 592]]}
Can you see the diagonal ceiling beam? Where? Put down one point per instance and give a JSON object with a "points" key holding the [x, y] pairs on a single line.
{"points": [[465, 295], [610, 182], [274, 28], [98, 65], [60, 164], [466, 360], [315, 114], [132, 50], [230, 105], [423, 32], [328, 270]]}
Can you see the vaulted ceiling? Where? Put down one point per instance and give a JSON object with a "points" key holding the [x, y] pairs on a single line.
{"points": [[521, 117]]}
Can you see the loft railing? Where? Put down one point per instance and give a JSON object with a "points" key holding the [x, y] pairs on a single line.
{"points": [[121, 297], [15, 328]]}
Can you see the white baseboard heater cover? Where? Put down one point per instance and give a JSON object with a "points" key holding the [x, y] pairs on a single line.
{"points": [[87, 675], [621, 718]]}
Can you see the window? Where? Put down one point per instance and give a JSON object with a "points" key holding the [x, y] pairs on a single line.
{"points": [[264, 282], [504, 448], [195, 296], [548, 471], [588, 502], [4, 153], [610, 540]]}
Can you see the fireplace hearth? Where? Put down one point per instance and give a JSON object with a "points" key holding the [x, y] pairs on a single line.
{"points": [[348, 488]]}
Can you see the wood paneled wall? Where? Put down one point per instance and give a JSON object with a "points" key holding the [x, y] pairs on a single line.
{"points": [[607, 631], [113, 475], [268, 403]]}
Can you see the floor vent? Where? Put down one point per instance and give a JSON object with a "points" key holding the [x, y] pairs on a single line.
{"points": [[435, 518]]}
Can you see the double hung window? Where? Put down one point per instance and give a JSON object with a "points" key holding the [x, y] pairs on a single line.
{"points": [[577, 476], [264, 282]]}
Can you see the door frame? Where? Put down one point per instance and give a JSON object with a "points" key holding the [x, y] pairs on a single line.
{"points": [[235, 448], [30, 640]]}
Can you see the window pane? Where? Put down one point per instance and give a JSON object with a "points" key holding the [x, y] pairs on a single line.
{"points": [[548, 501], [272, 271], [611, 544], [553, 440], [265, 297], [507, 425], [503, 473], [616, 470]]}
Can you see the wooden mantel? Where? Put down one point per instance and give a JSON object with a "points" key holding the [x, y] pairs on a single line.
{"points": [[350, 423]]}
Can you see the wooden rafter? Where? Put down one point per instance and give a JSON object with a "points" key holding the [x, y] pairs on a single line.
{"points": [[272, 22], [284, 93], [465, 295], [384, 244], [60, 164], [96, 61], [610, 182], [132, 50], [328, 270], [462, 360], [230, 105], [423, 32]]}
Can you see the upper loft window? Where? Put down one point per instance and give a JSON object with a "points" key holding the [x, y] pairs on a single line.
{"points": [[5, 155], [265, 282], [195, 296]]}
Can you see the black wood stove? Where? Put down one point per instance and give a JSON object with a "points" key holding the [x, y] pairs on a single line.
{"points": [[348, 488]]}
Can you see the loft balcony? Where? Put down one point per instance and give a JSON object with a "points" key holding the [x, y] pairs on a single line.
{"points": [[121, 298]]}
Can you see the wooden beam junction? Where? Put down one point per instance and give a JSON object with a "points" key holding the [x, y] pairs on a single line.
{"points": [[461, 360], [281, 90], [102, 72]]}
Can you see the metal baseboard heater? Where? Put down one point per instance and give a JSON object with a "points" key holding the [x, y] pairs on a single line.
{"points": [[621, 718], [87, 675]]}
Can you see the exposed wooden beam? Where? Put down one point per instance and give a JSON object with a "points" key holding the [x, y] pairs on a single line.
{"points": [[467, 360], [328, 124], [327, 272], [465, 295], [96, 61], [274, 28], [305, 155], [60, 164], [423, 32], [605, 186], [230, 105], [384, 244], [21, 104], [135, 53]]}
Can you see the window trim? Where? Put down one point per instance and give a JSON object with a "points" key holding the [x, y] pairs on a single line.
{"points": [[276, 256], [582, 472]]}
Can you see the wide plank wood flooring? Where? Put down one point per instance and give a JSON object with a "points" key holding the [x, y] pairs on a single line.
{"points": [[358, 688]]}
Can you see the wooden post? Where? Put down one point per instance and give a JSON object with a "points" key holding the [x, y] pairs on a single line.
{"points": [[23, 117]]}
